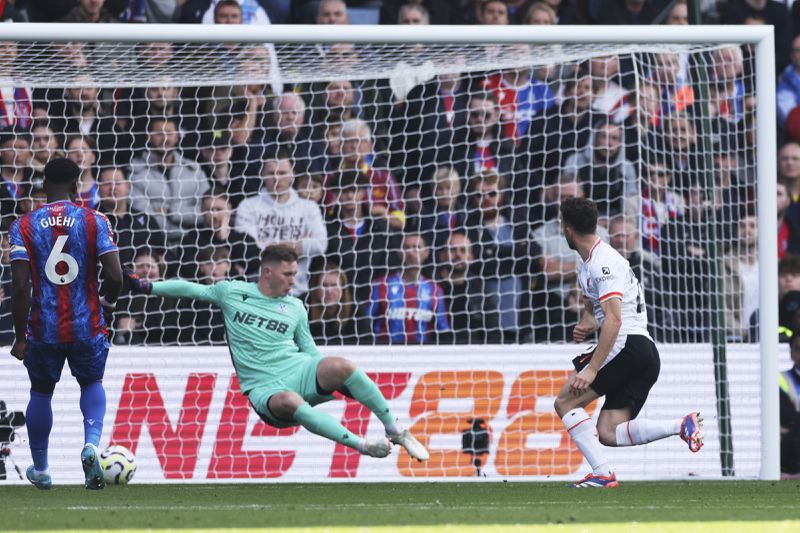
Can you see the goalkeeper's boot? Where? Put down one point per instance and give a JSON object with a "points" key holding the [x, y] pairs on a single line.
{"points": [[690, 431], [92, 469], [40, 480], [379, 448], [596, 481], [412, 445]]}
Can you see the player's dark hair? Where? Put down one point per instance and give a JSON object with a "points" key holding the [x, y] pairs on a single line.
{"points": [[276, 253], [61, 171], [580, 214]]}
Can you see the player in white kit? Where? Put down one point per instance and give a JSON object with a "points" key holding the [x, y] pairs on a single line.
{"points": [[623, 365]]}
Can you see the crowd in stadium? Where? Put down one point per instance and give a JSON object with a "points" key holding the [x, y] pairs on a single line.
{"points": [[427, 215]]}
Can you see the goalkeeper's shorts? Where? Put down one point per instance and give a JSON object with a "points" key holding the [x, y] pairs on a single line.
{"points": [[302, 379]]}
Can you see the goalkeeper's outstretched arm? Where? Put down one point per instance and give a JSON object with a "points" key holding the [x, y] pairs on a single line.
{"points": [[174, 288]]}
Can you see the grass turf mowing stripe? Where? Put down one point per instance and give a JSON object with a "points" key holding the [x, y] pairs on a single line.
{"points": [[391, 505], [649, 527]]}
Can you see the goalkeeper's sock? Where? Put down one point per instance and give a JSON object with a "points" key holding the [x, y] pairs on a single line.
{"points": [[39, 422], [583, 431], [93, 407], [367, 392], [326, 426], [642, 431]]}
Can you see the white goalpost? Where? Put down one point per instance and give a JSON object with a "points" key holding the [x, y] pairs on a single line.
{"points": [[397, 138]]}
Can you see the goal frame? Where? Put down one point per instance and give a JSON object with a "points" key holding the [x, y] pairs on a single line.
{"points": [[760, 36]]}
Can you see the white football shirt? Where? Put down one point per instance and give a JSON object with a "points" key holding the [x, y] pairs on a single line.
{"points": [[606, 274]]}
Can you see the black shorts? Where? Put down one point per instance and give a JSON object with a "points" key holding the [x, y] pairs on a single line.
{"points": [[627, 379]]}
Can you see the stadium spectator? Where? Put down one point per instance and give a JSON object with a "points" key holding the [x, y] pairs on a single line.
{"points": [[236, 12], [332, 12], [474, 315], [215, 233], [334, 102], [152, 11], [80, 150], [610, 98], [685, 264], [679, 14], [436, 11], [740, 279], [788, 89], [333, 147], [429, 126], [406, 307], [768, 12], [504, 251], [644, 124], [677, 140], [358, 153], [625, 11], [74, 110], [132, 230], [156, 102], [485, 149], [144, 319], [333, 316], [789, 382], [413, 15], [494, 12], [15, 169], [727, 90], [540, 14], [89, 11], [564, 129], [445, 212], [164, 183], [290, 134], [520, 96], [624, 238], [668, 73], [45, 145], [788, 275], [789, 168], [788, 216], [359, 243], [606, 175], [15, 100], [658, 203], [278, 214], [201, 322], [215, 161], [309, 187]]}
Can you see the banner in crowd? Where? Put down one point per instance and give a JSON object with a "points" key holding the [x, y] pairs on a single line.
{"points": [[181, 411]]}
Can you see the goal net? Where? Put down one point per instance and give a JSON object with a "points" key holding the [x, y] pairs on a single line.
{"points": [[420, 184]]}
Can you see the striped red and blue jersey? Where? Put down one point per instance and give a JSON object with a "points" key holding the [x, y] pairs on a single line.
{"points": [[407, 313], [63, 242]]}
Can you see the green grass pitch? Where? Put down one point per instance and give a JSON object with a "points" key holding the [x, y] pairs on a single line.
{"points": [[477, 506]]}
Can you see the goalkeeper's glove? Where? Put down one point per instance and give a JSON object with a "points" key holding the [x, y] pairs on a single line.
{"points": [[136, 284]]}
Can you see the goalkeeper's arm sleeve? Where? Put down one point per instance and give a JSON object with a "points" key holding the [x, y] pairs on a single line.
{"points": [[178, 288]]}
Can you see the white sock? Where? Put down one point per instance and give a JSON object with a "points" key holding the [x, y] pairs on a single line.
{"points": [[393, 428], [642, 431], [360, 444], [583, 431], [40, 472]]}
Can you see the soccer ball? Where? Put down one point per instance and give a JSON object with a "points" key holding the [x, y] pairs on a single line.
{"points": [[119, 465]]}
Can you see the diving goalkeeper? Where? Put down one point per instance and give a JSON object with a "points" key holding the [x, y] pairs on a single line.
{"points": [[279, 367]]}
